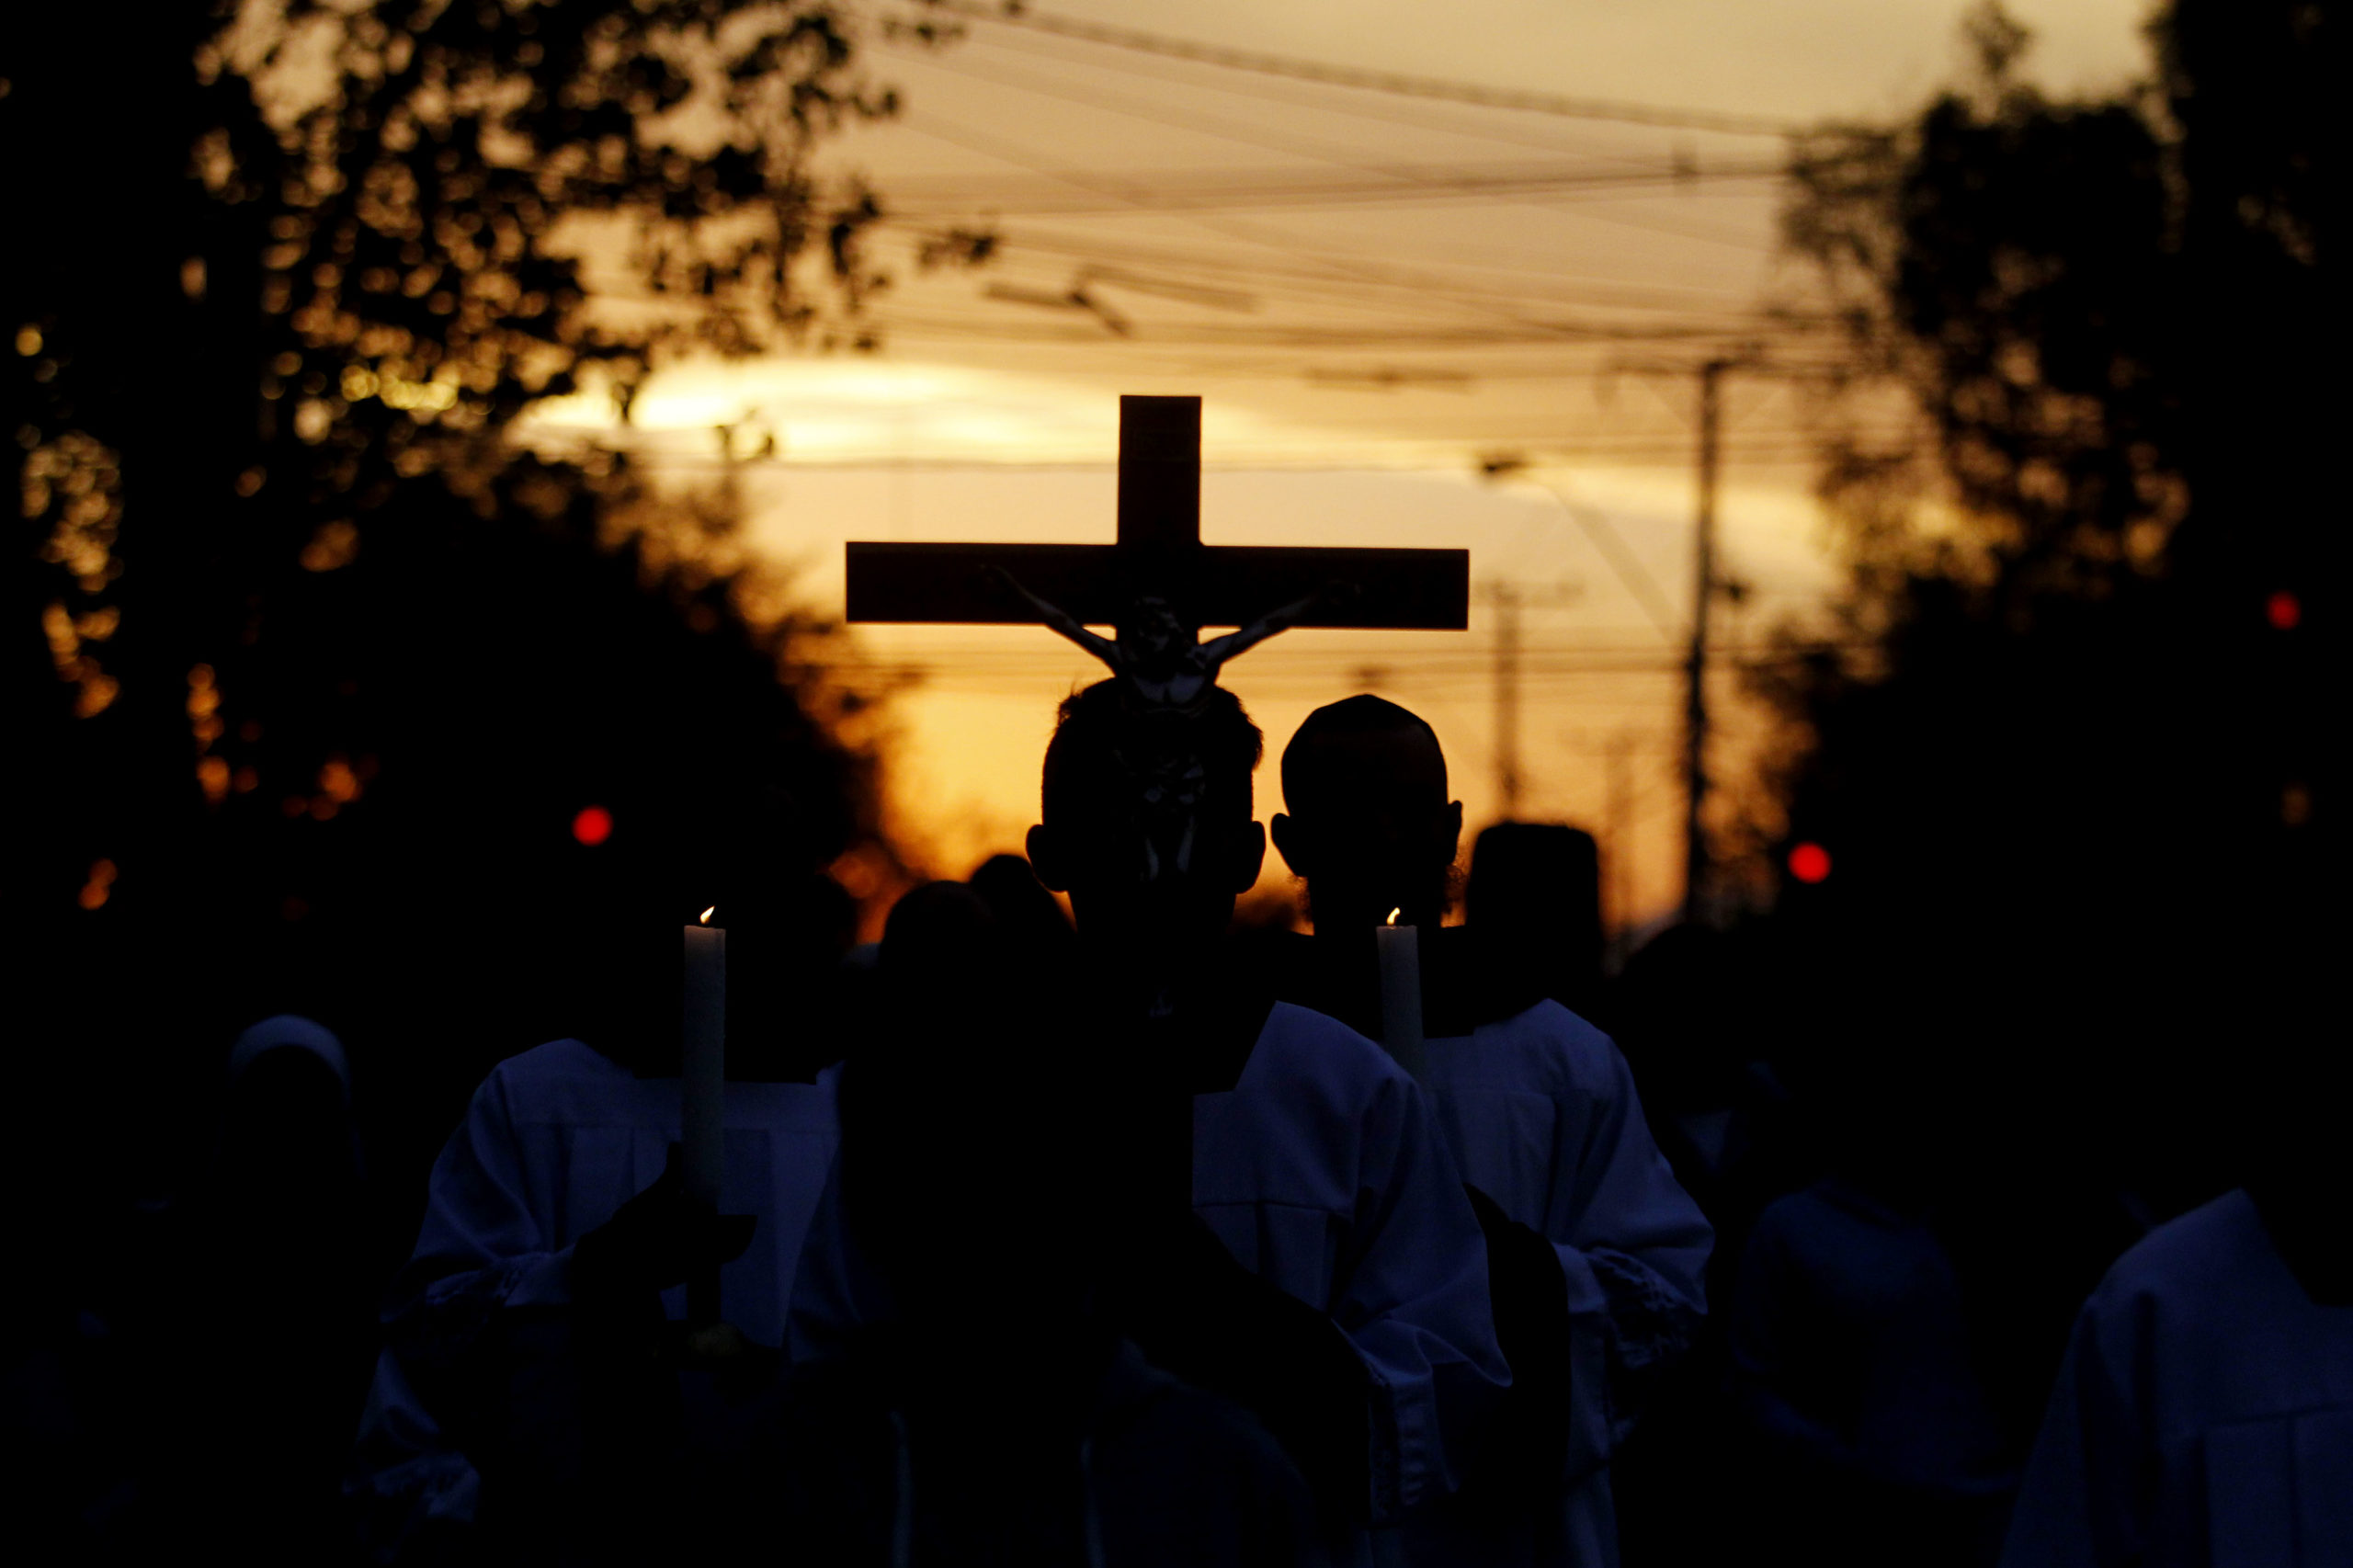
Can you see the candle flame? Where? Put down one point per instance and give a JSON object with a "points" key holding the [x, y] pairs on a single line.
{"points": [[705, 918], [1395, 913]]}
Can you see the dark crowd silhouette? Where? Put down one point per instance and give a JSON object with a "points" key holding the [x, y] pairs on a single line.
{"points": [[1132, 1239], [1976, 1193]]}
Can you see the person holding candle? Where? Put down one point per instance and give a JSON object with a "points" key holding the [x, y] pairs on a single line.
{"points": [[1597, 1253], [564, 1226]]}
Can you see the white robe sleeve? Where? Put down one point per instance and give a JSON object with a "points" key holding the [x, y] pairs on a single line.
{"points": [[488, 1239], [407, 1481], [1632, 1242], [1411, 1294], [484, 1246], [2086, 1499]]}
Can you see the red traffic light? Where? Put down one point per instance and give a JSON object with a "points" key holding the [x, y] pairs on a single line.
{"points": [[592, 825], [1809, 862], [2283, 611]]}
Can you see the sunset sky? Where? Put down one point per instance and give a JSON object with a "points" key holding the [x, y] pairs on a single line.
{"points": [[1373, 290]]}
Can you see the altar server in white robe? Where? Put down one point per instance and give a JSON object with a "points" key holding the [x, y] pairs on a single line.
{"points": [[526, 1204], [1001, 1426], [2204, 1413], [1600, 1254], [1298, 1239]]}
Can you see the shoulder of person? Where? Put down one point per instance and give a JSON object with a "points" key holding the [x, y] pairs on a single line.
{"points": [[2208, 1248], [1300, 1045], [526, 1072], [1555, 1049], [1808, 1212]]}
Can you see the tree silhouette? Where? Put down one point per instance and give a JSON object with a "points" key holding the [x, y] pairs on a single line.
{"points": [[317, 665], [2098, 580]]}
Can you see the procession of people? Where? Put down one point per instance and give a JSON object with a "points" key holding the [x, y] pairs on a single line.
{"points": [[1133, 1235], [555, 1032], [1138, 1237]]}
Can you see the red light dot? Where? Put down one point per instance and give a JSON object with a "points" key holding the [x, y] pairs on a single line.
{"points": [[2284, 611], [592, 825], [1810, 862]]}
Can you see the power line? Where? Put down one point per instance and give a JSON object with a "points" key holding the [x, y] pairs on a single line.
{"points": [[1342, 267], [1200, 191], [1149, 254], [1394, 83], [1378, 108], [1342, 155], [1392, 286], [1381, 456], [1370, 335]]}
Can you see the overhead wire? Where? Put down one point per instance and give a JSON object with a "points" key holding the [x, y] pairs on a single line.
{"points": [[1331, 269], [1127, 194], [1483, 124], [1185, 191], [1396, 82], [1388, 287], [1309, 147], [1343, 154]]}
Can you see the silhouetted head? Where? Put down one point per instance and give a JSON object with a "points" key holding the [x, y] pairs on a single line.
{"points": [[1012, 891], [952, 1125], [1148, 823], [944, 934], [1368, 825], [1901, 1029], [1534, 893], [1154, 635], [2291, 1054], [1677, 1012], [287, 1151]]}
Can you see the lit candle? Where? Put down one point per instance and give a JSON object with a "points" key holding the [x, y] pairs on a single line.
{"points": [[1401, 992], [703, 1088]]}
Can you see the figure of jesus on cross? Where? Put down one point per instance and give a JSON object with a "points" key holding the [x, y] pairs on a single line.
{"points": [[1160, 583], [1160, 660]]}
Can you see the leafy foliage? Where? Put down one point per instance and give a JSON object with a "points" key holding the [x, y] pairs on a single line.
{"points": [[2091, 735], [317, 661]]}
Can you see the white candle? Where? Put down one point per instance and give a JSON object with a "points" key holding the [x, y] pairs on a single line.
{"points": [[1400, 992], [703, 1088]]}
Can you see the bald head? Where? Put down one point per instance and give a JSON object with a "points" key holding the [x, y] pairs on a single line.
{"points": [[1368, 825], [1360, 748]]}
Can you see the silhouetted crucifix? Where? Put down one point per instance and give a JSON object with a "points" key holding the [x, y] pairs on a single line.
{"points": [[1159, 585]]}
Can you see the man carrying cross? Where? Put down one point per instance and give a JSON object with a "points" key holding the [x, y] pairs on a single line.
{"points": [[1298, 1235]]}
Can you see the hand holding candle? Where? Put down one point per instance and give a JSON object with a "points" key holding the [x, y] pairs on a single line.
{"points": [[1400, 992], [703, 1088]]}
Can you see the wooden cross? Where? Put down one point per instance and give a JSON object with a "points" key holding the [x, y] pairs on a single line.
{"points": [[1160, 553]]}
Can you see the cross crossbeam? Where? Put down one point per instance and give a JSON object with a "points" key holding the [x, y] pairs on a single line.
{"points": [[1160, 554]]}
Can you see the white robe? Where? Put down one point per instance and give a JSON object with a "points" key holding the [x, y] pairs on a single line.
{"points": [[2204, 1414], [1541, 1114], [1323, 1172], [556, 1139]]}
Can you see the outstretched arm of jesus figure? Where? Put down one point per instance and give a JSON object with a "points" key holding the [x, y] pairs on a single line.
{"points": [[1055, 617], [1234, 643]]}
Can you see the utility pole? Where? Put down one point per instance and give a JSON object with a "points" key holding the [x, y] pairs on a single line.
{"points": [[1695, 695], [1618, 869], [1509, 599], [1505, 597]]}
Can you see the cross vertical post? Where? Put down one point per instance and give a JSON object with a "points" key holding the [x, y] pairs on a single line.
{"points": [[1160, 474]]}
